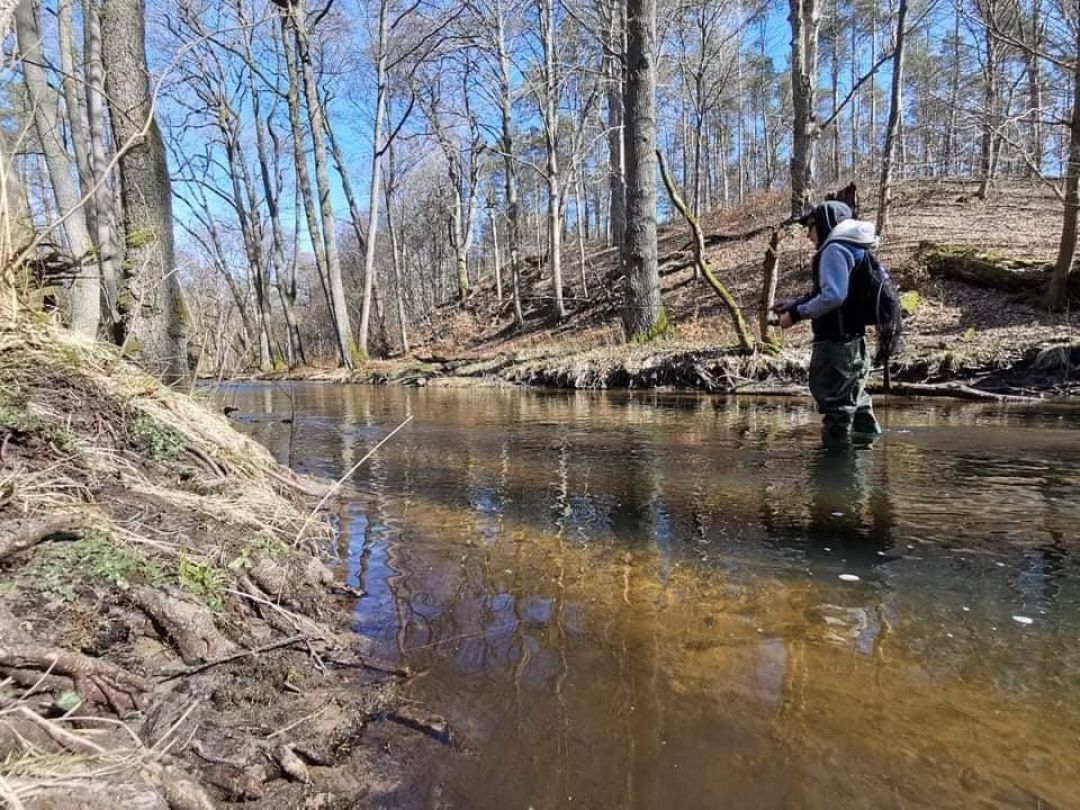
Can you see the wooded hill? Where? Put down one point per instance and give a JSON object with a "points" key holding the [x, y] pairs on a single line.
{"points": [[336, 175]]}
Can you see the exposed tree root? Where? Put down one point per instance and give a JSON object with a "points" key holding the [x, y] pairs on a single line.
{"points": [[94, 679], [189, 627], [17, 536]]}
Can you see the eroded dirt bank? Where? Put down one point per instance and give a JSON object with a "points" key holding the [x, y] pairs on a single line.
{"points": [[171, 634]]}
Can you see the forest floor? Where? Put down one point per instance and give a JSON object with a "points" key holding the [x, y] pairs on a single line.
{"points": [[171, 635], [959, 335]]}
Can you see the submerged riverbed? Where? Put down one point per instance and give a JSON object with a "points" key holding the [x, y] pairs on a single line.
{"points": [[660, 600]]}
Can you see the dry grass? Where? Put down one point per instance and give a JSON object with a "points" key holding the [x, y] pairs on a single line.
{"points": [[167, 496]]}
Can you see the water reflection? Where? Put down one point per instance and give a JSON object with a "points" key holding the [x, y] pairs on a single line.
{"points": [[627, 598]]}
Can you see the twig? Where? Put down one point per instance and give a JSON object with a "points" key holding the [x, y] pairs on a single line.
{"points": [[337, 484], [295, 723], [225, 659]]}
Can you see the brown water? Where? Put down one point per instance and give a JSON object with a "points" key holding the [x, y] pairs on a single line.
{"points": [[635, 600]]}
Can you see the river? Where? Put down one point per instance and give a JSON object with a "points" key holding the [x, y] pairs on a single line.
{"points": [[657, 600]]}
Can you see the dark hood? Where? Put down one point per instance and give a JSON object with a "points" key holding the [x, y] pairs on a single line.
{"points": [[825, 217]]}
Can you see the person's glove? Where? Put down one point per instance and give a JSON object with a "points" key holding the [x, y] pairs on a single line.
{"points": [[783, 306]]}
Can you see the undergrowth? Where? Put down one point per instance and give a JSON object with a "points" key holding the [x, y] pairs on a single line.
{"points": [[155, 439], [63, 570]]}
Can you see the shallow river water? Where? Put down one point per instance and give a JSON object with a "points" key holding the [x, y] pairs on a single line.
{"points": [[673, 601]]}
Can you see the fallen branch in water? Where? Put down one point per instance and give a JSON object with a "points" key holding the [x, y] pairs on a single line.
{"points": [[337, 484], [955, 390]]}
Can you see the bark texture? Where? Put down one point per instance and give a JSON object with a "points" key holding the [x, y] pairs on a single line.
{"points": [[151, 304], [643, 313], [85, 295], [1057, 292], [805, 23], [896, 106]]}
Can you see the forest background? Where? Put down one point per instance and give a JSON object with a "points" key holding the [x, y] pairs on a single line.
{"points": [[340, 173]]}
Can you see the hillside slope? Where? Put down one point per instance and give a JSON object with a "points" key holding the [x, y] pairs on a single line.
{"points": [[957, 331]]}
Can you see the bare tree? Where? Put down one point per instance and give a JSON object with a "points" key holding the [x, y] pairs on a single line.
{"points": [[296, 19], [86, 291], [896, 106], [643, 312], [152, 305], [1058, 292]]}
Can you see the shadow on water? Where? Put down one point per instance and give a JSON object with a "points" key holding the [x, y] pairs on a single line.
{"points": [[621, 599]]}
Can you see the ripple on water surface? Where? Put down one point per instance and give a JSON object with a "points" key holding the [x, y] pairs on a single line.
{"points": [[647, 600]]}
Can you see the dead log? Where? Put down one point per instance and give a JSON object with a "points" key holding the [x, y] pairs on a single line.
{"points": [[17, 536], [981, 269], [954, 390]]}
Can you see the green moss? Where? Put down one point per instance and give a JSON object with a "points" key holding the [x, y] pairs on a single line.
{"points": [[132, 347], [271, 546], [356, 355], [910, 302], [661, 329], [141, 237], [156, 439]]}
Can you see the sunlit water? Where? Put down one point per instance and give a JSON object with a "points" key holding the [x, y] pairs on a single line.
{"points": [[657, 600]]}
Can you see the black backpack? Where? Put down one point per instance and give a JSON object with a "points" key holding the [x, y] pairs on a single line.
{"points": [[873, 300]]}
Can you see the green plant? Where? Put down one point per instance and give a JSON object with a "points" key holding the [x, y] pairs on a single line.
{"points": [[273, 547], [156, 439], [203, 580], [61, 570], [17, 418]]}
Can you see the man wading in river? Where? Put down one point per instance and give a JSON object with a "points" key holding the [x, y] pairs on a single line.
{"points": [[839, 364]]}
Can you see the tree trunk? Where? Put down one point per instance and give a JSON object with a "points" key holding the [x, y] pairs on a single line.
{"points": [[615, 134], [375, 178], [643, 313], [1057, 292], [805, 21], [581, 219], [270, 192], [1034, 71], [152, 304], [397, 262], [495, 248], [990, 108], [322, 182], [303, 176], [105, 210], [86, 291], [513, 209], [551, 142], [896, 107], [73, 103]]}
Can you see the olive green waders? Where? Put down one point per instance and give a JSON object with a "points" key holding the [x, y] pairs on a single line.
{"points": [[838, 372]]}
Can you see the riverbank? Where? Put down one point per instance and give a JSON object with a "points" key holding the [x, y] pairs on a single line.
{"points": [[959, 335], [173, 632], [1030, 362]]}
